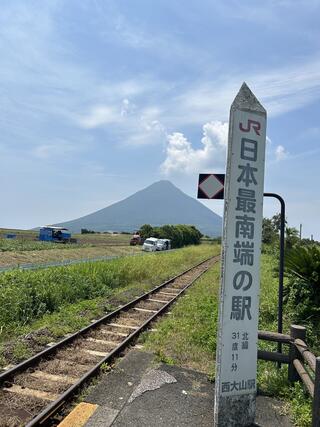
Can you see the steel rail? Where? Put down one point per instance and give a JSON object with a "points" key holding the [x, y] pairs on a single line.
{"points": [[52, 408]]}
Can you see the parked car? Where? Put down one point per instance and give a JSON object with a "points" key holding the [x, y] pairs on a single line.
{"points": [[163, 244], [150, 244], [136, 240]]}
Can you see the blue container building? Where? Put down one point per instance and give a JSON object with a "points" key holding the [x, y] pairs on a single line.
{"points": [[54, 234]]}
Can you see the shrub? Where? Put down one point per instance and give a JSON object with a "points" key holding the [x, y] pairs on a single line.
{"points": [[85, 231], [180, 235], [303, 288]]}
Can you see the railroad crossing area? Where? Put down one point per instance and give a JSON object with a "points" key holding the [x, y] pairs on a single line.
{"points": [[141, 392]]}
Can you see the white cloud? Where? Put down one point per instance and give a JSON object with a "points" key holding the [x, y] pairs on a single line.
{"points": [[281, 153], [137, 125], [280, 90], [127, 107], [41, 70], [181, 157], [53, 84], [99, 115], [146, 132], [55, 150]]}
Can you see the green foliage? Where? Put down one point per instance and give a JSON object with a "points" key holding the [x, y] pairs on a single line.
{"points": [[86, 231], [300, 403], [12, 245], [269, 232], [274, 382], [29, 295], [188, 335], [292, 237], [180, 235], [69, 318], [308, 242], [276, 222], [20, 351], [146, 231], [303, 288], [269, 293], [212, 240], [2, 357], [271, 229]]}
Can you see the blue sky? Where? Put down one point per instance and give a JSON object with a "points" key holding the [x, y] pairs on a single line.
{"points": [[100, 98]]}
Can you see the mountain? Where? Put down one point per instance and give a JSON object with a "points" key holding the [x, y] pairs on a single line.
{"points": [[160, 203]]}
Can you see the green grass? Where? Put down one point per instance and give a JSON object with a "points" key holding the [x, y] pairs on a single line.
{"points": [[64, 299], [274, 382], [188, 336], [28, 295], [13, 245], [21, 351]]}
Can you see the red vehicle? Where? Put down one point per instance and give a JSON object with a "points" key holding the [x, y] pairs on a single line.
{"points": [[136, 240]]}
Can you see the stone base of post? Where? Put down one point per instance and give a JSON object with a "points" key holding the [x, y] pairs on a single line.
{"points": [[235, 411]]}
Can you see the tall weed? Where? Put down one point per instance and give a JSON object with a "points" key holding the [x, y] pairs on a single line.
{"points": [[28, 295]]}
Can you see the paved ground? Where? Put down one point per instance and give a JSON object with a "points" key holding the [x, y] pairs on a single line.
{"points": [[139, 392]]}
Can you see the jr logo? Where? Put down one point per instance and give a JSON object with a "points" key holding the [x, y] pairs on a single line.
{"points": [[251, 124]]}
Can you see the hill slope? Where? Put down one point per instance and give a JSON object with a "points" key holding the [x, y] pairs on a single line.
{"points": [[160, 203]]}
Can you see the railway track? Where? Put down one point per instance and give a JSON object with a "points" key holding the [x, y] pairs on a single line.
{"points": [[34, 390]]}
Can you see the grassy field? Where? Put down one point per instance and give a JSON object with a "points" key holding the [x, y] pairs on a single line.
{"points": [[104, 239], [23, 237], [23, 234], [61, 254], [26, 249], [40, 306], [24, 245], [188, 337]]}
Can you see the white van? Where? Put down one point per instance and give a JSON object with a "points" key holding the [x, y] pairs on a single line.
{"points": [[163, 244], [150, 244]]}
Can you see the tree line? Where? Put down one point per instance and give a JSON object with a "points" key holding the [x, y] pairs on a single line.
{"points": [[271, 230], [180, 235]]}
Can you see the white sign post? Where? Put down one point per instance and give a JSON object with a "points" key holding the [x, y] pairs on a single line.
{"points": [[236, 368]]}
